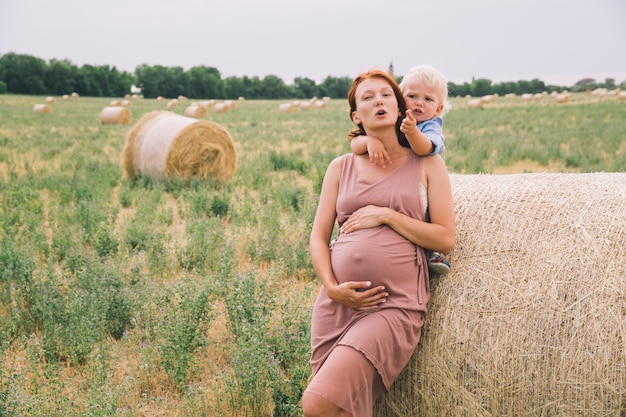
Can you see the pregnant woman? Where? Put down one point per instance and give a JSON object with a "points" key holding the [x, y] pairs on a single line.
{"points": [[369, 313]]}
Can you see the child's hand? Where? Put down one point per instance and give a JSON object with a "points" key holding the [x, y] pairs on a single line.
{"points": [[409, 124], [377, 152]]}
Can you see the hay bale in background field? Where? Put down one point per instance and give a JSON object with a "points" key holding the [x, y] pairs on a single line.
{"points": [[42, 108], [207, 104], [51, 99], [222, 108], [164, 144], [115, 115], [531, 320], [196, 111], [475, 103], [286, 108], [561, 98]]}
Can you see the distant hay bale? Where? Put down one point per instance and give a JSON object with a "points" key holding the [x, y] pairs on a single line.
{"points": [[165, 144], [172, 103], [126, 103], [286, 108], [50, 100], [320, 105], [222, 108], [75, 95], [475, 103], [115, 115], [196, 111], [207, 104], [621, 95], [114, 103], [561, 98], [531, 320], [42, 108]]}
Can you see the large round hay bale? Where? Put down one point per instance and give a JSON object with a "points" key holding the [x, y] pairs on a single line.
{"points": [[531, 320], [114, 115], [165, 144]]}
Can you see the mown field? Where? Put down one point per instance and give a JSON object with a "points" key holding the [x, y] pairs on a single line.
{"points": [[147, 298]]}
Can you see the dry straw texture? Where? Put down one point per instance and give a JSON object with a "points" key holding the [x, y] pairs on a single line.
{"points": [[114, 115], [165, 144], [531, 321]]}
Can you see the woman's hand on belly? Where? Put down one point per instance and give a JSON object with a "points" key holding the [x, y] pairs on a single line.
{"points": [[358, 295], [365, 218]]}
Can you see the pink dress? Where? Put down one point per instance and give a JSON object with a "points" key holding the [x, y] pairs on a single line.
{"points": [[381, 340]]}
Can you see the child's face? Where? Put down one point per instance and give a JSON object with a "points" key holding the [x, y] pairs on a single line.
{"points": [[421, 99]]}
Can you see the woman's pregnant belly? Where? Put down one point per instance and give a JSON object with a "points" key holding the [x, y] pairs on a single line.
{"points": [[379, 255]]}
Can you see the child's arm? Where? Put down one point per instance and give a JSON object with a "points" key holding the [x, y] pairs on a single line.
{"points": [[420, 143], [373, 146]]}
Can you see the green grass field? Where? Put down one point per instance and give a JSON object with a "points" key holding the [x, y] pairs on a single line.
{"points": [[190, 299]]}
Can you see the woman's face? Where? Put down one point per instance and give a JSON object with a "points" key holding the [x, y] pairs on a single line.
{"points": [[376, 104]]}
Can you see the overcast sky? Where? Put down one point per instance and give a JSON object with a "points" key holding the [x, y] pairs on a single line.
{"points": [[557, 41]]}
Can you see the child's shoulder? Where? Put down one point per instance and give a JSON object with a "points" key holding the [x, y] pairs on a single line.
{"points": [[434, 121]]}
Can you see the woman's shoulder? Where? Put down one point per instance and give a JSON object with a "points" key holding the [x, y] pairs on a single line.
{"points": [[337, 163], [340, 160], [433, 160], [434, 167]]}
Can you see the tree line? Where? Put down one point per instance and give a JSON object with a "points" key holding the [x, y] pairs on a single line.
{"points": [[29, 75]]}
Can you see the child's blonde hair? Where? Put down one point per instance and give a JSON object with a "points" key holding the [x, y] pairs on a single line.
{"points": [[432, 77]]}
